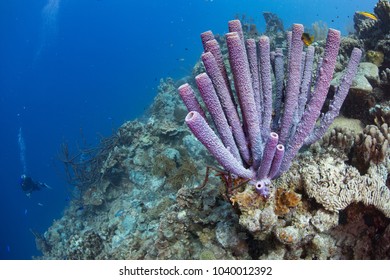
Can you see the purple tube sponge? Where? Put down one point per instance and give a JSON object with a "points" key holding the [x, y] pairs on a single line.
{"points": [[293, 83], [254, 68], [228, 106], [313, 108], [262, 187], [259, 144], [265, 71], [212, 46], [187, 94], [235, 26], [339, 97], [210, 140], [205, 37], [243, 84], [268, 156], [279, 84], [213, 104]]}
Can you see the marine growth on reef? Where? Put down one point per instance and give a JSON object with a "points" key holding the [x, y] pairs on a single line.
{"points": [[143, 193]]}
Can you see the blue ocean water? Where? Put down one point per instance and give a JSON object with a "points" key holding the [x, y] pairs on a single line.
{"points": [[77, 69]]}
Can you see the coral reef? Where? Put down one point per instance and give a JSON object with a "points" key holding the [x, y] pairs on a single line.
{"points": [[380, 113], [340, 137], [375, 57], [145, 216], [274, 30], [371, 146], [336, 185], [370, 88], [153, 211], [152, 190], [273, 23], [284, 200], [248, 26], [361, 96], [375, 34]]}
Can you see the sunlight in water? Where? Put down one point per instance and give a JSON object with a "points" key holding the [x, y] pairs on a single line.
{"points": [[49, 25]]}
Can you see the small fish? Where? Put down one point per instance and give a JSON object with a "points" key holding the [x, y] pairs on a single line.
{"points": [[8, 248], [307, 39], [368, 15], [40, 204], [25, 211]]}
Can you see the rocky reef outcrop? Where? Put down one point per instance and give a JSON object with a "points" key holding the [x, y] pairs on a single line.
{"points": [[158, 194]]}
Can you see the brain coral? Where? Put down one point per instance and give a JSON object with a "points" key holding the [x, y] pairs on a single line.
{"points": [[335, 185]]}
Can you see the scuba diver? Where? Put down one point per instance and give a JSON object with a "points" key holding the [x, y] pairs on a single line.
{"points": [[29, 185]]}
